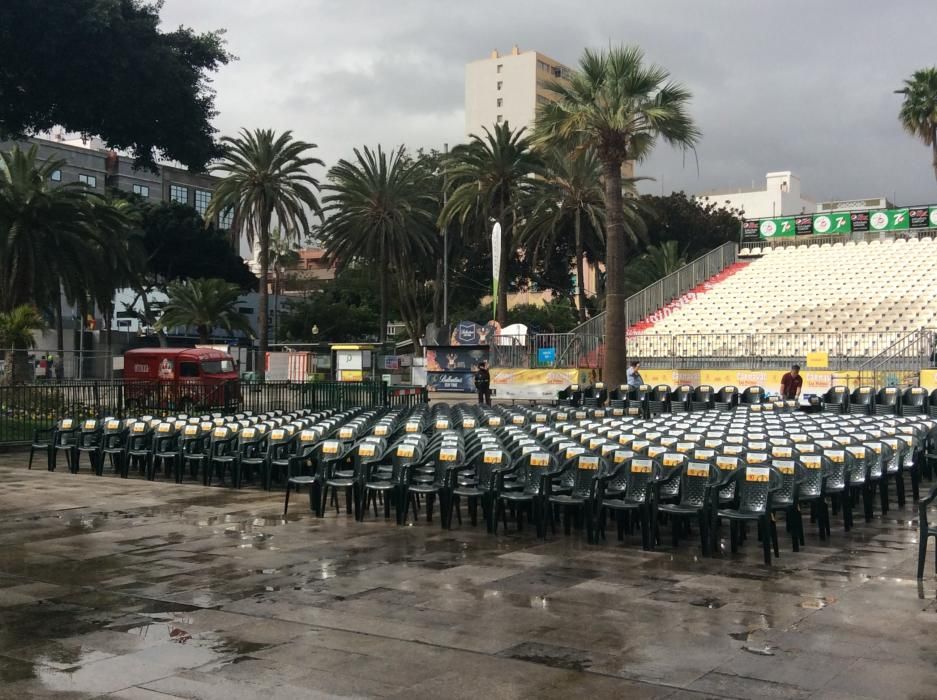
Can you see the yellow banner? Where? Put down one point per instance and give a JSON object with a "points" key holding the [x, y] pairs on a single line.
{"points": [[815, 382], [531, 384], [928, 379]]}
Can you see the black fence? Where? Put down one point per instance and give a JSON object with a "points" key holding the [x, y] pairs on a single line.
{"points": [[26, 407]]}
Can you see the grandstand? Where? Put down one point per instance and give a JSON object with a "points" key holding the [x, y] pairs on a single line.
{"points": [[852, 300], [862, 306]]}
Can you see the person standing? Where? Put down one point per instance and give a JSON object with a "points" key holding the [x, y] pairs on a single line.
{"points": [[483, 383], [634, 375], [791, 384]]}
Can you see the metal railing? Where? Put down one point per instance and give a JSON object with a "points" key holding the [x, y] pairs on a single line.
{"points": [[862, 236], [779, 350], [665, 290], [27, 407], [907, 354]]}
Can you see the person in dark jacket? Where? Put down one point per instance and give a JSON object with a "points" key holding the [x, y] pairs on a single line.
{"points": [[483, 383]]}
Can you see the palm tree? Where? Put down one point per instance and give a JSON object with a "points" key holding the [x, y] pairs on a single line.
{"points": [[378, 208], [918, 113], [16, 333], [204, 304], [282, 255], [267, 185], [655, 263], [490, 177], [570, 199], [43, 236], [620, 106]]}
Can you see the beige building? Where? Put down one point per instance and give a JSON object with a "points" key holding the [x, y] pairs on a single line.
{"points": [[508, 88]]}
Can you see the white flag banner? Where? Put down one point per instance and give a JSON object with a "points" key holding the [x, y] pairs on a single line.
{"points": [[495, 264]]}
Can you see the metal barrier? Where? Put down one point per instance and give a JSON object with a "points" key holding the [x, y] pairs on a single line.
{"points": [[862, 236], [26, 407], [780, 350], [909, 353]]}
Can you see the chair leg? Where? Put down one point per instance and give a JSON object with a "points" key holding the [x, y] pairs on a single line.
{"points": [[921, 556], [286, 503], [766, 538]]}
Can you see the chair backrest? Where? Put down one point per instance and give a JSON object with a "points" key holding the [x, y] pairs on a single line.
{"points": [[696, 480], [787, 490], [753, 395], [640, 474], [756, 485], [862, 396]]}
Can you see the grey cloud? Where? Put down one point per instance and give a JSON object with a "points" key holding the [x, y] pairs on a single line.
{"points": [[800, 85]]}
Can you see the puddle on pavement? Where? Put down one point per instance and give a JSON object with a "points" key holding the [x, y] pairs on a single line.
{"points": [[711, 603], [548, 655]]}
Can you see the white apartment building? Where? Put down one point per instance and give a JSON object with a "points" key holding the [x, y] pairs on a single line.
{"points": [[508, 88], [781, 196]]}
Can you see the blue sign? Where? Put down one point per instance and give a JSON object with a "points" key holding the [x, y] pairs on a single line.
{"points": [[546, 356]]}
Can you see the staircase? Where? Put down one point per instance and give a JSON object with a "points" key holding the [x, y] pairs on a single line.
{"points": [[658, 300]]}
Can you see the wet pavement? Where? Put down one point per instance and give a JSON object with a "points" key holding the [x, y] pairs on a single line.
{"points": [[138, 590]]}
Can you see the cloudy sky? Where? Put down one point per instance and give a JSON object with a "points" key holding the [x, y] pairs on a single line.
{"points": [[802, 85]]}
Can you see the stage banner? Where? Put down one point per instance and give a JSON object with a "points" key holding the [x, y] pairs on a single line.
{"points": [[803, 225], [827, 224], [471, 333], [859, 220], [928, 379], [889, 220], [776, 228], [933, 217], [454, 359], [534, 384], [462, 382]]}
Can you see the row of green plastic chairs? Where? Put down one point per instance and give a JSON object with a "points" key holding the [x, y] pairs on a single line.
{"points": [[756, 465]]}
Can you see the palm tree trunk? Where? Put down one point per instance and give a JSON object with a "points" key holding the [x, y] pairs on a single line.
{"points": [[382, 282], [934, 149], [614, 373], [203, 336], [59, 365], [108, 342], [579, 268], [260, 362]]}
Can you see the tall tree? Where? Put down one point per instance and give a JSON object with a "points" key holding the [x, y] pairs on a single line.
{"points": [[43, 230], [918, 113], [16, 337], [136, 87], [267, 183], [656, 262], [698, 226], [204, 304], [619, 105], [489, 179], [378, 208]]}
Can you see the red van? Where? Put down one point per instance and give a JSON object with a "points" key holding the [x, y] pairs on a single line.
{"points": [[180, 378]]}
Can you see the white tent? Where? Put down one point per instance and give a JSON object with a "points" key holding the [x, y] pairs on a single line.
{"points": [[515, 334]]}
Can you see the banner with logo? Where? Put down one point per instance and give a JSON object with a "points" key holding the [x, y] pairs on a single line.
{"points": [[534, 384], [859, 220], [776, 228], [919, 217], [750, 231], [471, 333], [889, 220], [803, 225], [454, 359], [827, 224], [461, 382]]}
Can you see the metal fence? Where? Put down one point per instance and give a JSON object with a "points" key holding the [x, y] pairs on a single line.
{"points": [[27, 407], [665, 290], [907, 354], [893, 351], [866, 236]]}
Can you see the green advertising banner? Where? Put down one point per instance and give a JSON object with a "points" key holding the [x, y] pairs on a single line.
{"points": [[776, 228], [889, 220], [933, 217], [826, 224]]}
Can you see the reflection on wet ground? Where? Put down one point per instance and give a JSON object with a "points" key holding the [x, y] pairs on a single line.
{"points": [[130, 589]]}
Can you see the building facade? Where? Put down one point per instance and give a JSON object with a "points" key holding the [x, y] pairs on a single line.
{"points": [[91, 163], [508, 88], [781, 196]]}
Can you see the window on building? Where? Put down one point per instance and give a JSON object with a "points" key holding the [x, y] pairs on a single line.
{"points": [[142, 190], [226, 219], [202, 198], [89, 180], [500, 118], [500, 102], [56, 176], [500, 66], [500, 84], [178, 193]]}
